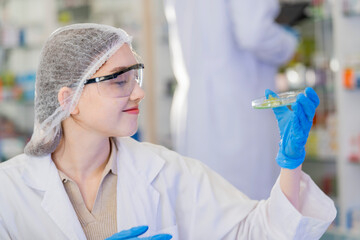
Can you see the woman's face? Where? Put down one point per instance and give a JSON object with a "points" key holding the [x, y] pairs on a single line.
{"points": [[108, 116]]}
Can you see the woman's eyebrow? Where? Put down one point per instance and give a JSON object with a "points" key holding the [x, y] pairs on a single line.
{"points": [[117, 69]]}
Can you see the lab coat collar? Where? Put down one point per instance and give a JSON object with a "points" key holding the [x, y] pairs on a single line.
{"points": [[138, 200], [37, 172], [146, 163], [138, 156], [41, 173]]}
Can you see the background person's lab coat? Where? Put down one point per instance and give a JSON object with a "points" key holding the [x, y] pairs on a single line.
{"points": [[225, 54], [162, 189]]}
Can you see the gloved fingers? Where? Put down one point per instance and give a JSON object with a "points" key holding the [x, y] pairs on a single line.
{"points": [[301, 116], [130, 233], [312, 95], [277, 110], [269, 93], [307, 105], [158, 237]]}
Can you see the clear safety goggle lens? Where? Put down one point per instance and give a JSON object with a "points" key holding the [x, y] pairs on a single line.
{"points": [[122, 85]]}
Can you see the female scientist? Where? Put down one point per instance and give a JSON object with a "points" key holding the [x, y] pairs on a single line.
{"points": [[82, 177]]}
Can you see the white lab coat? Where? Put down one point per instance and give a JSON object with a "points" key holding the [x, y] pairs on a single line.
{"points": [[225, 53], [159, 188]]}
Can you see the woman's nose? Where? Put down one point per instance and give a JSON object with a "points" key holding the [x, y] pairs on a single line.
{"points": [[137, 94]]}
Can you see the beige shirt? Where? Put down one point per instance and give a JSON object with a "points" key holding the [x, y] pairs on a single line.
{"points": [[100, 222]]}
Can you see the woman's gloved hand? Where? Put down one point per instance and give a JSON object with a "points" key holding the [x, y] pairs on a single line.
{"points": [[294, 126], [133, 233]]}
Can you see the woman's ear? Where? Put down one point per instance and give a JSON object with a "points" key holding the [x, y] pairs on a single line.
{"points": [[63, 98]]}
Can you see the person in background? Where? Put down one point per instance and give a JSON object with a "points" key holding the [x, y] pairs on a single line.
{"points": [[224, 53], [83, 177]]}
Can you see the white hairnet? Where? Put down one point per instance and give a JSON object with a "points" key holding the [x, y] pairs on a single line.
{"points": [[71, 55]]}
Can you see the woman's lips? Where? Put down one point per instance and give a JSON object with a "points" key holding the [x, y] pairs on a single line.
{"points": [[134, 110]]}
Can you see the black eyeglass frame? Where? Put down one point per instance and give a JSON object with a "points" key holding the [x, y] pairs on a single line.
{"points": [[114, 75]]}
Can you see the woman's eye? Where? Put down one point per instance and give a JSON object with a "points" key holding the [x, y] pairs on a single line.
{"points": [[120, 83]]}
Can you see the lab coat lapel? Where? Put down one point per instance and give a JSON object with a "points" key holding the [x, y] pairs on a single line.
{"points": [[137, 199], [42, 174]]}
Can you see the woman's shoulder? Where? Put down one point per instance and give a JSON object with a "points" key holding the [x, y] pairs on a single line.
{"points": [[14, 163], [171, 159], [11, 170]]}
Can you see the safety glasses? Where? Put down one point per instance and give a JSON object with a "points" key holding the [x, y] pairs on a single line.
{"points": [[119, 84]]}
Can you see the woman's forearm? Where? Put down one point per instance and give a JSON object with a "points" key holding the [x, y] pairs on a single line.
{"points": [[290, 184]]}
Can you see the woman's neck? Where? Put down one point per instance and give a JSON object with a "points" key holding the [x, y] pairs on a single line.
{"points": [[81, 155]]}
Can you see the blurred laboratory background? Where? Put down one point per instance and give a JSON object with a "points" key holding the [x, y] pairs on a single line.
{"points": [[327, 59]]}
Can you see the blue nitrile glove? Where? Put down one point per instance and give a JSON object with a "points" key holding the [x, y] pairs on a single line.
{"points": [[292, 31], [133, 233], [294, 126]]}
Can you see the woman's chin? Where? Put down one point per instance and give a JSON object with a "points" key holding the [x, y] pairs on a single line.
{"points": [[125, 134]]}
